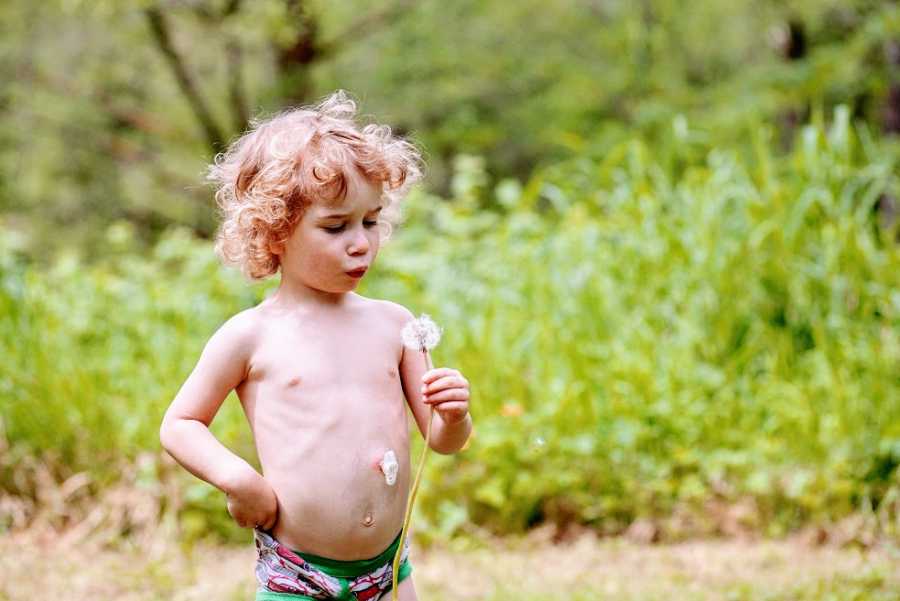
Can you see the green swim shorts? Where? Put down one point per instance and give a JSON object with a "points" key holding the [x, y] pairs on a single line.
{"points": [[286, 575]]}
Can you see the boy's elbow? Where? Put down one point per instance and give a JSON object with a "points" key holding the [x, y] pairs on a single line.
{"points": [[168, 433], [165, 433]]}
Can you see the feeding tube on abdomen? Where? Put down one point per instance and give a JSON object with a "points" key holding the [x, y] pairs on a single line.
{"points": [[389, 467]]}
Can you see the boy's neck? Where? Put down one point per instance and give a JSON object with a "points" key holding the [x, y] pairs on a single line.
{"points": [[297, 294]]}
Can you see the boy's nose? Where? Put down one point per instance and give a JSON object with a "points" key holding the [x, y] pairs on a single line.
{"points": [[359, 245]]}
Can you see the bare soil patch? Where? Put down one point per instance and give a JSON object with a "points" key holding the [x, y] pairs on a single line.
{"points": [[44, 566]]}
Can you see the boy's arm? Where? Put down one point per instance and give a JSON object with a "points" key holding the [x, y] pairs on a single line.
{"points": [[446, 438], [184, 432]]}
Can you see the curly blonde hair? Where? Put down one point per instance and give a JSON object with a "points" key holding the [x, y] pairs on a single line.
{"points": [[270, 175]]}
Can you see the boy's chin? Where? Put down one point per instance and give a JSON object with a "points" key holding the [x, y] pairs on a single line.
{"points": [[340, 288]]}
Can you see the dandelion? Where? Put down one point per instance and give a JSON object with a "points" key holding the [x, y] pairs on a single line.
{"points": [[422, 335]]}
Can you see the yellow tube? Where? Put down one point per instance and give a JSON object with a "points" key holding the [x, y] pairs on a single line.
{"points": [[412, 495]]}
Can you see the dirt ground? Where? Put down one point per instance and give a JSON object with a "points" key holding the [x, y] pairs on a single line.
{"points": [[39, 567]]}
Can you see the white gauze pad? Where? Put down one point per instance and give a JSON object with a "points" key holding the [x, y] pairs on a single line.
{"points": [[389, 467]]}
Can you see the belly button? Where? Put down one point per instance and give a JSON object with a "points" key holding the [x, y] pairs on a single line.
{"points": [[367, 521]]}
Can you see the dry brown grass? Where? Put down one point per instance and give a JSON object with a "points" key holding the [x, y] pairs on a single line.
{"points": [[42, 565]]}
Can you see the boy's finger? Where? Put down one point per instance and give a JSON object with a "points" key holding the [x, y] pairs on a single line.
{"points": [[452, 414], [445, 382], [451, 406], [433, 374], [451, 394]]}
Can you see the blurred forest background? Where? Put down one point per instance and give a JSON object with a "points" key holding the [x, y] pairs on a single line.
{"points": [[662, 238]]}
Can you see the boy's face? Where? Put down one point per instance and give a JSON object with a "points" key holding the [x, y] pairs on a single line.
{"points": [[333, 244]]}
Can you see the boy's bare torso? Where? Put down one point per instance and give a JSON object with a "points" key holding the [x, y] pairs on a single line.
{"points": [[324, 400]]}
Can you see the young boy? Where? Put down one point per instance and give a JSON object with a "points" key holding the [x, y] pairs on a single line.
{"points": [[320, 371]]}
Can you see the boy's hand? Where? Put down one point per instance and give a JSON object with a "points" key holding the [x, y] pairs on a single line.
{"points": [[448, 391], [251, 501]]}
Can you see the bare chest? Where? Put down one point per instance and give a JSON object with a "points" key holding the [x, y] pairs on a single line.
{"points": [[314, 365]]}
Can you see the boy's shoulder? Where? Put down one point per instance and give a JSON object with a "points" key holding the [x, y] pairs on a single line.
{"points": [[241, 326], [395, 312]]}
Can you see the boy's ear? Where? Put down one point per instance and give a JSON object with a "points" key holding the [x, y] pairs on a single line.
{"points": [[276, 248]]}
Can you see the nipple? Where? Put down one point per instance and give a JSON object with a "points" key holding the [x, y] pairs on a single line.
{"points": [[389, 467]]}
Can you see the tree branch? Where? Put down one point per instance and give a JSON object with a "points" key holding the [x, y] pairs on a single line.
{"points": [[294, 60], [235, 57], [240, 114], [365, 25], [160, 29], [232, 7]]}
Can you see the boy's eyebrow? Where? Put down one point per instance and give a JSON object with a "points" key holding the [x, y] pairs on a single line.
{"points": [[342, 215]]}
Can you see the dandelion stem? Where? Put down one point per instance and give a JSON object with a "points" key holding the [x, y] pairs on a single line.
{"points": [[412, 492]]}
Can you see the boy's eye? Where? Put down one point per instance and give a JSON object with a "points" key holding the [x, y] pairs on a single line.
{"points": [[334, 228], [370, 223]]}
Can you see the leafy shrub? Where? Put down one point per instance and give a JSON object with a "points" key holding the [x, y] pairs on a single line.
{"points": [[645, 338]]}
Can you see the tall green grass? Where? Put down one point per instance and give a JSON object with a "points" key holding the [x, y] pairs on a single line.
{"points": [[651, 332], [723, 330]]}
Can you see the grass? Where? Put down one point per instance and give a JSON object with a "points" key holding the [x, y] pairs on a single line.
{"points": [[528, 568]]}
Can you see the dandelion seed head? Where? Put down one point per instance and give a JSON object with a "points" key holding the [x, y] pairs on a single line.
{"points": [[421, 334]]}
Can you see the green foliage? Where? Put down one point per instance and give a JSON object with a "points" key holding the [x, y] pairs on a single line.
{"points": [[641, 344], [648, 331], [94, 354], [94, 126]]}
